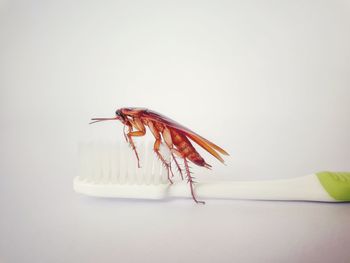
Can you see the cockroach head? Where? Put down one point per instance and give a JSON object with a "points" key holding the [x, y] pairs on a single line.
{"points": [[121, 116], [119, 113]]}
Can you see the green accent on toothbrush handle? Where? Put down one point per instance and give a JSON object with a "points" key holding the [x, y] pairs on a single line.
{"points": [[337, 184]]}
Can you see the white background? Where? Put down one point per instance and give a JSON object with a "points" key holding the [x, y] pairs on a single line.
{"points": [[269, 81]]}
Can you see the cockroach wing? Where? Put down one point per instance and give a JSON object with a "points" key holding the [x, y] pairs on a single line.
{"points": [[204, 143]]}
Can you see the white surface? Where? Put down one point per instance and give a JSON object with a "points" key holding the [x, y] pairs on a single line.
{"points": [[268, 81]]}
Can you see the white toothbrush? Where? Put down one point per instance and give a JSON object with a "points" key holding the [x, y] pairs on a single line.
{"points": [[110, 170]]}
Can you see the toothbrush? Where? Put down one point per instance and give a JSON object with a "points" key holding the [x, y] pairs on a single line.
{"points": [[109, 170]]}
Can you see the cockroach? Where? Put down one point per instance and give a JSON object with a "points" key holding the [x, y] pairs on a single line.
{"points": [[176, 137]]}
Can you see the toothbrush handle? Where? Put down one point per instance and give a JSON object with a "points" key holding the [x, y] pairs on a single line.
{"points": [[306, 188]]}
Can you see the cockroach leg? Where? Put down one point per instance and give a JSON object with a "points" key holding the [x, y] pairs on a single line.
{"points": [[156, 146], [191, 182], [161, 158], [130, 135], [125, 136], [170, 171], [177, 165], [169, 142]]}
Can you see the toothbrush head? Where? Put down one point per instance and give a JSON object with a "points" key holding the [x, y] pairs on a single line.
{"points": [[110, 170]]}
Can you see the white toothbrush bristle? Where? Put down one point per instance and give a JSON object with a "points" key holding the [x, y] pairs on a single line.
{"points": [[116, 163]]}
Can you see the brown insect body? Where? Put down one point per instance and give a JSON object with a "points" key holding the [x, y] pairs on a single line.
{"points": [[186, 148], [176, 137]]}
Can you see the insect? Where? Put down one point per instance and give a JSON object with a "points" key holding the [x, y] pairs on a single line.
{"points": [[176, 137]]}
